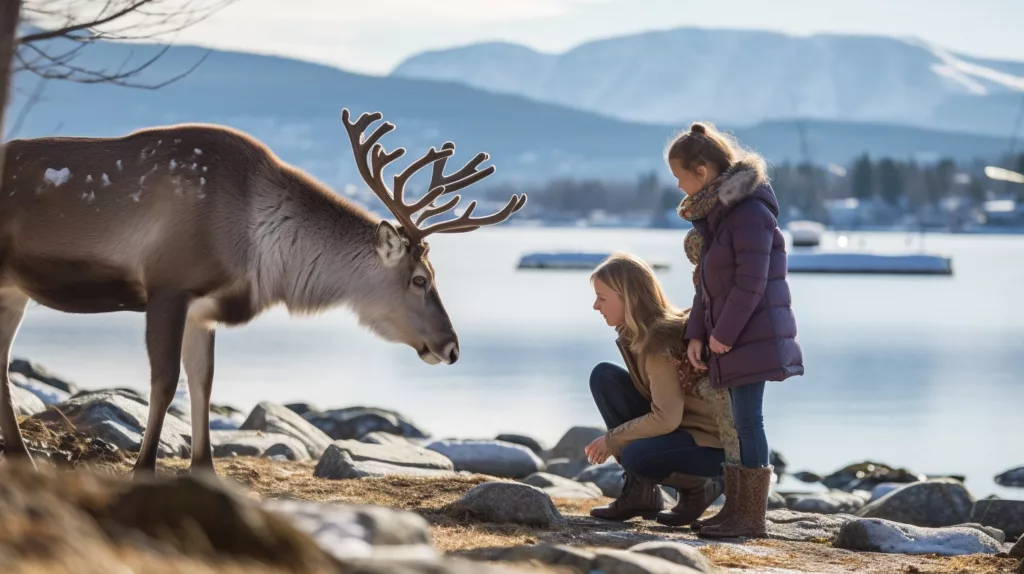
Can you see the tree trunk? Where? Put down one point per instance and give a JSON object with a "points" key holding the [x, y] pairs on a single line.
{"points": [[10, 13]]}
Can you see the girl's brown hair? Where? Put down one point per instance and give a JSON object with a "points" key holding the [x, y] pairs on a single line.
{"points": [[653, 324], [703, 145]]}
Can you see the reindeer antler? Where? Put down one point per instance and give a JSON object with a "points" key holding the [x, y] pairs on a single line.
{"points": [[440, 184]]}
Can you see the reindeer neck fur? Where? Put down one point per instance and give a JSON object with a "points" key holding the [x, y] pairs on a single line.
{"points": [[313, 249]]}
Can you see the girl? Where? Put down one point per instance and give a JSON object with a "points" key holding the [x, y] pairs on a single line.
{"points": [[741, 309], [661, 431]]}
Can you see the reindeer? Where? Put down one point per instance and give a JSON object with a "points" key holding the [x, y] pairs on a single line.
{"points": [[197, 225]]}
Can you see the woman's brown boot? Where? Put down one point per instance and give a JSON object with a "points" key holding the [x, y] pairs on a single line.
{"points": [[731, 479], [748, 515], [640, 497], [696, 494]]}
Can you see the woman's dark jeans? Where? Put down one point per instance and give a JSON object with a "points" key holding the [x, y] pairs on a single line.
{"points": [[653, 458]]}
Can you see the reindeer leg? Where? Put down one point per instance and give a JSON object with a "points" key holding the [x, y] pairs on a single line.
{"points": [[165, 326], [12, 310], [197, 355]]}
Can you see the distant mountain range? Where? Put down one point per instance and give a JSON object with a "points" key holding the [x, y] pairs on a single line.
{"points": [[295, 106], [742, 78]]}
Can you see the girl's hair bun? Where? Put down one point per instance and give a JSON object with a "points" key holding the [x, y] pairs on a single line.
{"points": [[698, 128]]}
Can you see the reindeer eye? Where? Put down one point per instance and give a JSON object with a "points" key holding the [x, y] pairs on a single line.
{"points": [[419, 281]]}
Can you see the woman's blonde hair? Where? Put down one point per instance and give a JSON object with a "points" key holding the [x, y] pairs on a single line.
{"points": [[653, 324]]}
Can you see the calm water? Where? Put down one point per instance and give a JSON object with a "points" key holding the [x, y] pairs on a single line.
{"points": [[924, 372]]}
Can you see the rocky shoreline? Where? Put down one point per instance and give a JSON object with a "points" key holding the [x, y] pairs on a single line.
{"points": [[493, 488]]}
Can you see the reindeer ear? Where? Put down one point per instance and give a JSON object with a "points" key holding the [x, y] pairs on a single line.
{"points": [[390, 244]]}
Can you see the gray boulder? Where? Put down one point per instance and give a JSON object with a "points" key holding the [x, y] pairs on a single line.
{"points": [[565, 467], [47, 394], [559, 487], [356, 422], [607, 476], [274, 418], [529, 442], [353, 459], [1011, 478], [676, 552], [573, 442], [36, 372], [885, 488], [831, 502], [490, 457], [876, 535], [26, 403], [1006, 515], [119, 418], [1018, 549], [932, 503], [805, 527], [995, 533], [256, 443], [626, 562], [509, 503]]}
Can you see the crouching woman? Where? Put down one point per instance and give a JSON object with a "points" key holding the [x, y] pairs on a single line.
{"points": [[661, 429]]}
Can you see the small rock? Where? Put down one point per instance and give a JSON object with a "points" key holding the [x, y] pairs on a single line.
{"points": [[1006, 515], [573, 442], [357, 422], [876, 535], [566, 468], [559, 487], [493, 458], [300, 408], [33, 371], [808, 477], [25, 402], [551, 554], [130, 394], [883, 489], [384, 438], [932, 503], [119, 418], [805, 527], [509, 502], [1018, 549], [867, 475], [998, 535], [354, 459], [255, 443], [626, 562], [607, 476], [359, 531], [1012, 478], [529, 442], [47, 394], [831, 502], [676, 552], [274, 418]]}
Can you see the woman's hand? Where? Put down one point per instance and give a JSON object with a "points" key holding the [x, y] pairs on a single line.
{"points": [[718, 348], [597, 451], [694, 349]]}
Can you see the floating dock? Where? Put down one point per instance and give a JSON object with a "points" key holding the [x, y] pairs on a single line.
{"points": [[799, 262], [571, 260]]}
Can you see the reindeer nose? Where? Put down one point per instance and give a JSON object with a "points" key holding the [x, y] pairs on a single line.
{"points": [[451, 350]]}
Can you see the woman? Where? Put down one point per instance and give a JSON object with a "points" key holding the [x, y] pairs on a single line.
{"points": [[742, 306], [661, 430]]}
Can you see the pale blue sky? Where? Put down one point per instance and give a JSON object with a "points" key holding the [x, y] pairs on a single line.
{"points": [[372, 36]]}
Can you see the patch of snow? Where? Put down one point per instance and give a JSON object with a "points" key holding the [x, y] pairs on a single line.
{"points": [[205, 168], [88, 178], [197, 151], [177, 141], [119, 165], [173, 165], [193, 166], [136, 196], [106, 180], [202, 181], [89, 197], [57, 177]]}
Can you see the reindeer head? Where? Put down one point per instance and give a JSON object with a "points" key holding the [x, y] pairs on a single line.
{"points": [[413, 313]]}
